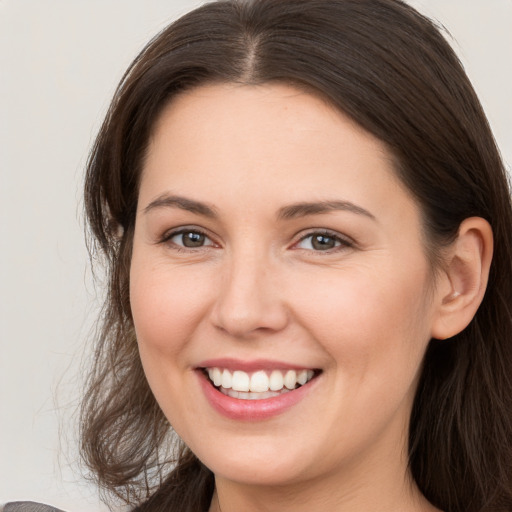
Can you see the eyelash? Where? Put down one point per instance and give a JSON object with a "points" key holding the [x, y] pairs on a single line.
{"points": [[168, 236], [343, 243]]}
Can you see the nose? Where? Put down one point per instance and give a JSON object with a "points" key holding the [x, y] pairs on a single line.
{"points": [[250, 298]]}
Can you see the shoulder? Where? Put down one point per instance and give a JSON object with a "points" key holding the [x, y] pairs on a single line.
{"points": [[27, 506]]}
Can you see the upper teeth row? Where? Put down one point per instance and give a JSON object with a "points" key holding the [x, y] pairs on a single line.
{"points": [[259, 381]]}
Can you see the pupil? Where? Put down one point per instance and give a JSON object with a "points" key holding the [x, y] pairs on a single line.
{"points": [[192, 239], [322, 242]]}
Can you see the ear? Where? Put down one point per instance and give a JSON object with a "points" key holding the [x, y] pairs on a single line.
{"points": [[461, 286]]}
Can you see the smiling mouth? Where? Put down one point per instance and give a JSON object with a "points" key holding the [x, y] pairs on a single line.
{"points": [[258, 385]]}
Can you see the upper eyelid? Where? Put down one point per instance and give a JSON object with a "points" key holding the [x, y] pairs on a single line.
{"points": [[327, 232], [345, 239], [343, 244], [170, 233]]}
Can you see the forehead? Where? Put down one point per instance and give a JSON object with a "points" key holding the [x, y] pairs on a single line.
{"points": [[268, 106], [274, 139]]}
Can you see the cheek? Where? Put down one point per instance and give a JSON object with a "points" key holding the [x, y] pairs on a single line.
{"points": [[361, 314], [167, 304], [375, 330], [167, 307]]}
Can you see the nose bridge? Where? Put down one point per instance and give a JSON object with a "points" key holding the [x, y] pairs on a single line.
{"points": [[249, 299]]}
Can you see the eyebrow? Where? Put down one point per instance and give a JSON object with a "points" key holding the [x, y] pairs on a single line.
{"points": [[183, 203], [303, 209], [291, 211]]}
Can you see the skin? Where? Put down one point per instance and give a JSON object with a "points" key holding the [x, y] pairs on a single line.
{"points": [[363, 312]]}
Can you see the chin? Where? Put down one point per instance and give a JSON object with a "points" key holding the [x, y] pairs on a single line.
{"points": [[263, 461], [273, 471]]}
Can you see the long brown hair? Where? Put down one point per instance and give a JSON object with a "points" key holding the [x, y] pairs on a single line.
{"points": [[390, 69]]}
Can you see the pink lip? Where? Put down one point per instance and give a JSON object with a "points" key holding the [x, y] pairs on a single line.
{"points": [[252, 410], [250, 366]]}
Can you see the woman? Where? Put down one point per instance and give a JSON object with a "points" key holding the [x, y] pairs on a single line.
{"points": [[298, 203]]}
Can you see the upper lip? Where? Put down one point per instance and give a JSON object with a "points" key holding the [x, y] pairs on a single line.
{"points": [[253, 365]]}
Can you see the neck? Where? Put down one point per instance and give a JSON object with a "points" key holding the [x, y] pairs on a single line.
{"points": [[271, 499]]}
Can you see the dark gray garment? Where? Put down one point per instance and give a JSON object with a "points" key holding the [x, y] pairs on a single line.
{"points": [[28, 506]]}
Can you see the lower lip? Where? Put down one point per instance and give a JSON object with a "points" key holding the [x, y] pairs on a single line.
{"points": [[252, 410]]}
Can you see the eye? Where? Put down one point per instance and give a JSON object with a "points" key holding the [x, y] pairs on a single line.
{"points": [[189, 238], [322, 241]]}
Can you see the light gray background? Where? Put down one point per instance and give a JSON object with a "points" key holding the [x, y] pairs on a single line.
{"points": [[60, 61]]}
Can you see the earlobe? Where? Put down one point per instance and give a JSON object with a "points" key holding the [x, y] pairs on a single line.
{"points": [[465, 277]]}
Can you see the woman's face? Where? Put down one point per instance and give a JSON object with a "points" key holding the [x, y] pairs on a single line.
{"points": [[274, 247]]}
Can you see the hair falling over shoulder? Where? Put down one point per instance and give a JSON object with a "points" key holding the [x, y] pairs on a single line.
{"points": [[389, 69]]}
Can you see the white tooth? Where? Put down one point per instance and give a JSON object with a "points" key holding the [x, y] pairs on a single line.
{"points": [[302, 377], [226, 379], [217, 377], [259, 382], [310, 374], [210, 373], [290, 379], [276, 381], [240, 381]]}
